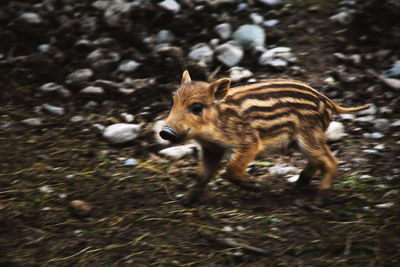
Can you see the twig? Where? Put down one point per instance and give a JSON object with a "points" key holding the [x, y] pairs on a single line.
{"points": [[230, 242]]}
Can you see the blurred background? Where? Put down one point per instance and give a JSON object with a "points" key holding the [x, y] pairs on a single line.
{"points": [[85, 179]]}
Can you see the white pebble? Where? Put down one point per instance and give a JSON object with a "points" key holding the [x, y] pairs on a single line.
{"points": [[121, 132]]}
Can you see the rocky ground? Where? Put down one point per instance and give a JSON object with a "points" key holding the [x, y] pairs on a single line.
{"points": [[75, 74]]}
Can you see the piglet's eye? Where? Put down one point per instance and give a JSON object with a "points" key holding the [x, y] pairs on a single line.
{"points": [[196, 108]]}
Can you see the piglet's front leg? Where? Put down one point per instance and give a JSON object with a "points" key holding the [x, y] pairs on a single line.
{"points": [[208, 167], [236, 168]]}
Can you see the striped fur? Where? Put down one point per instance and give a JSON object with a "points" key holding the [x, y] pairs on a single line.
{"points": [[246, 119]]}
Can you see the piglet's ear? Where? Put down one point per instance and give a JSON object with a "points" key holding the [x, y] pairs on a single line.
{"points": [[185, 77], [219, 88]]}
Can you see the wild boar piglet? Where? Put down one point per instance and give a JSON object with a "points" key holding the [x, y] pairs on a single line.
{"points": [[271, 115]]}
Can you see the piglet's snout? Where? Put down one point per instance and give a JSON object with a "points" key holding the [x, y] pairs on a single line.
{"points": [[168, 133]]}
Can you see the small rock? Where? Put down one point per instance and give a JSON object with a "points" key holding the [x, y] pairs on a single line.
{"points": [[170, 5], [121, 132], [54, 87], [130, 162], [335, 131], [393, 72], [344, 17], [368, 118], [256, 18], [281, 170], [391, 82], [270, 22], [202, 53], [349, 117], [35, 122], [271, 2], [239, 73], [78, 76], [372, 110], [384, 205], [249, 36], [395, 123], [227, 229], [370, 151], [240, 228], [90, 105], [80, 208], [224, 30], [379, 147], [178, 152], [382, 124], [128, 66], [30, 18], [77, 118], [229, 53], [293, 179], [92, 90], [375, 135], [59, 111], [277, 57], [127, 117], [46, 189], [44, 48], [99, 127], [165, 36]]}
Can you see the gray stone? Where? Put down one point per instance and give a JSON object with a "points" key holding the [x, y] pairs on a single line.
{"points": [[59, 111], [229, 53], [30, 18], [44, 48], [178, 152], [372, 110], [395, 123], [335, 131], [79, 76], [35, 122], [92, 90], [249, 36], [392, 72], [370, 151], [170, 5], [270, 22], [77, 118], [128, 66], [121, 132], [224, 30], [382, 124], [375, 135], [50, 87], [130, 162], [281, 170], [256, 18], [165, 36], [239, 73], [343, 17], [201, 53], [271, 2], [271, 56]]}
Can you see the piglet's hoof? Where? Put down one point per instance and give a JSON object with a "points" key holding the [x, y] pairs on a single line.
{"points": [[247, 185], [322, 198]]}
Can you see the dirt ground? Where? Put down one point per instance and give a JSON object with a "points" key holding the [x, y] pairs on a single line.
{"points": [[136, 219]]}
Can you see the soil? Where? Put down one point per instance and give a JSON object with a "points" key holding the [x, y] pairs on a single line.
{"points": [[136, 218]]}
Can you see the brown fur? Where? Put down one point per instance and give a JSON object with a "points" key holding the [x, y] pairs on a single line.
{"points": [[247, 119]]}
